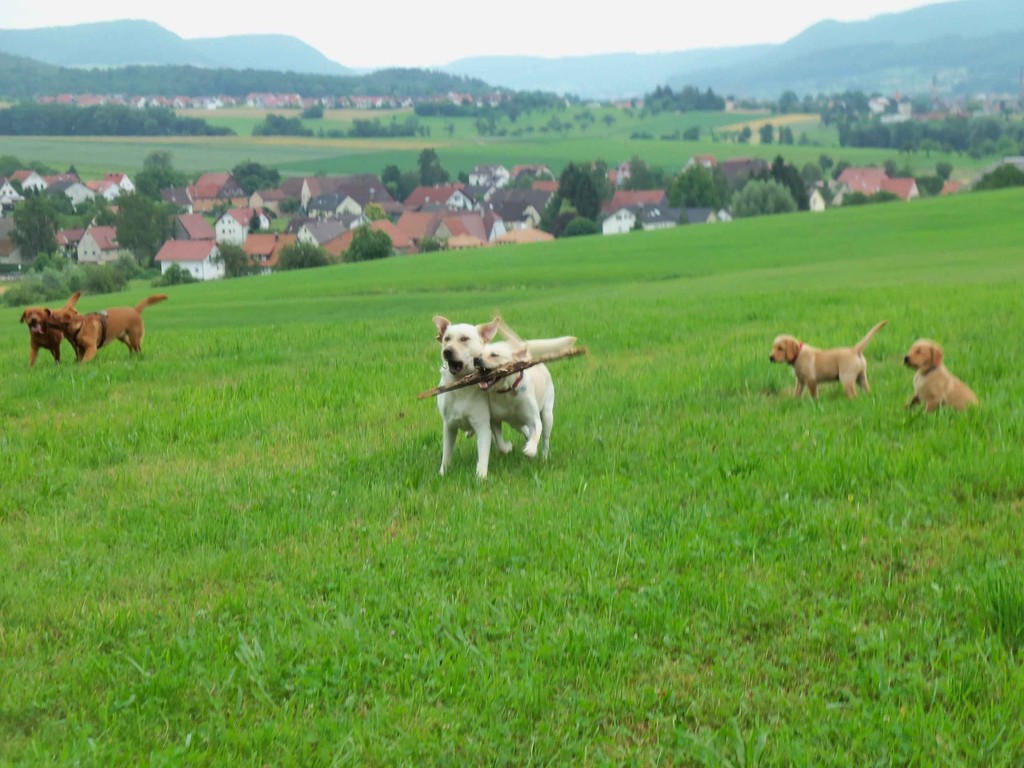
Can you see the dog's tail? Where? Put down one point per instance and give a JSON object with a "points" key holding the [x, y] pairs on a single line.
{"points": [[151, 300], [542, 347], [859, 346]]}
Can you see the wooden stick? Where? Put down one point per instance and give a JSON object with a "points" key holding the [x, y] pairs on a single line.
{"points": [[478, 377]]}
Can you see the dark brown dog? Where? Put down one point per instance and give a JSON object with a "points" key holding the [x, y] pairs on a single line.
{"points": [[43, 331], [87, 333]]}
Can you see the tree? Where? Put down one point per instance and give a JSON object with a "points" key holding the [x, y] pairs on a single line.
{"points": [[767, 133], [761, 198], [301, 256], [368, 244], [811, 173], [252, 176], [375, 212], [695, 188], [642, 176], [944, 170], [789, 177], [143, 225], [35, 227], [1005, 175], [785, 135], [789, 102], [578, 187], [158, 173], [580, 226], [236, 261], [431, 172], [745, 134]]}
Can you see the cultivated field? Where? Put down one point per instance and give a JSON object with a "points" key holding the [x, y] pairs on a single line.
{"points": [[237, 550], [460, 147]]}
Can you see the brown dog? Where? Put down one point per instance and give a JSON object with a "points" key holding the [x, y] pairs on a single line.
{"points": [[934, 385], [87, 333], [811, 366], [43, 329]]}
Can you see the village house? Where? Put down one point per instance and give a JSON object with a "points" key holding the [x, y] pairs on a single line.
{"points": [[75, 191], [105, 188], [125, 184], [353, 193], [68, 240], [270, 199], [9, 196], [528, 235], [496, 176], [816, 201], [871, 181], [323, 233], [264, 249], [418, 225], [9, 252], [192, 226], [521, 208], [200, 258], [448, 196], [179, 197], [632, 198], [99, 246], [213, 189], [646, 215], [30, 181], [233, 226]]}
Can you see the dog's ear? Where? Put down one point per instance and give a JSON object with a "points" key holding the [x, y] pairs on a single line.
{"points": [[24, 317], [936, 355], [73, 300], [792, 350], [442, 324], [488, 330], [520, 352]]}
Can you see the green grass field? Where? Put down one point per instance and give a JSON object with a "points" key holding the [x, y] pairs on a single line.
{"points": [[461, 148], [237, 550]]}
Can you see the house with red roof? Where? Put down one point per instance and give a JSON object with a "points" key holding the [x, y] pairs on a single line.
{"points": [[122, 181], [871, 181], [200, 258], [99, 246], [417, 225], [213, 189], [9, 196], [192, 226], [233, 226], [631, 198], [264, 248], [448, 196], [29, 180]]}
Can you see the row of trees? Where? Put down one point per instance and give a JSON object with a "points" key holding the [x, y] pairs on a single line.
{"points": [[977, 136], [110, 120]]}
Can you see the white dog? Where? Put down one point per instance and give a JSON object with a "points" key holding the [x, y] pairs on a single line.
{"points": [[465, 408], [525, 400]]}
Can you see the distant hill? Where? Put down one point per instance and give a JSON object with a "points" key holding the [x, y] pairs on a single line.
{"points": [[967, 47], [23, 78], [601, 76], [147, 43]]}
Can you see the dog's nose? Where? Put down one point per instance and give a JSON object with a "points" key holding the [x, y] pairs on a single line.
{"points": [[906, 360], [448, 354]]}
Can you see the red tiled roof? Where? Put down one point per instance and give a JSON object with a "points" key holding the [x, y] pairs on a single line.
{"points": [[439, 194], [185, 250], [196, 227], [905, 188], [267, 247], [866, 180], [105, 237], [545, 186], [417, 225], [627, 198], [951, 187]]}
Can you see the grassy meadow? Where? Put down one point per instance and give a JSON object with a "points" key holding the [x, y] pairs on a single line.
{"points": [[237, 550], [612, 135]]}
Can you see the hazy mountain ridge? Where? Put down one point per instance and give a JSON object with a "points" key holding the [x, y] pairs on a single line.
{"points": [[147, 43], [968, 46]]}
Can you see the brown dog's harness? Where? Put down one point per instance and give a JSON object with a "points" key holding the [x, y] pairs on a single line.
{"points": [[103, 331]]}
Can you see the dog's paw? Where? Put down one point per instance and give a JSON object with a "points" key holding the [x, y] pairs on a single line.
{"points": [[504, 446], [530, 450]]}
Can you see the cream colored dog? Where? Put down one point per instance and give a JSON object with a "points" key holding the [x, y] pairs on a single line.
{"points": [[812, 366], [467, 408], [525, 400], [934, 385]]}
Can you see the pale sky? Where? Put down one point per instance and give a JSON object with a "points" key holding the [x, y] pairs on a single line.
{"points": [[413, 33]]}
